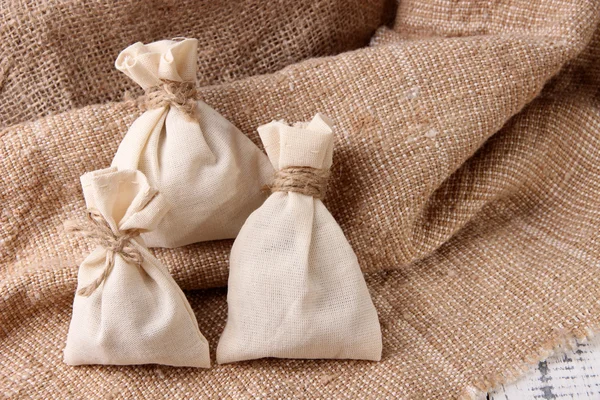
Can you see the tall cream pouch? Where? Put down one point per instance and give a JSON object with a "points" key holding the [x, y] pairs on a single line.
{"points": [[208, 170], [133, 312], [296, 289]]}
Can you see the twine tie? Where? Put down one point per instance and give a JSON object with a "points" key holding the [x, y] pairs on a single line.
{"points": [[305, 180], [98, 229], [182, 95]]}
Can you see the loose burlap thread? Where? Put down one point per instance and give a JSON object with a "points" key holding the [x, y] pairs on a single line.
{"points": [[466, 179], [305, 180], [99, 230]]}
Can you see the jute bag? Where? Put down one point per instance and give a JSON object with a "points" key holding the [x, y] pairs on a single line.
{"points": [[209, 171], [295, 287], [128, 309]]}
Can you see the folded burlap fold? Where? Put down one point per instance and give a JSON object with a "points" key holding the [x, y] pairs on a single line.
{"points": [[66, 64], [128, 309], [210, 172], [296, 289]]}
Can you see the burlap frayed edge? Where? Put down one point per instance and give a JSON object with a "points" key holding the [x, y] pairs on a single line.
{"points": [[562, 342]]}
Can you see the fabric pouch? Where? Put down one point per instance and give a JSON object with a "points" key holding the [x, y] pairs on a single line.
{"points": [[296, 289], [128, 309], [208, 170]]}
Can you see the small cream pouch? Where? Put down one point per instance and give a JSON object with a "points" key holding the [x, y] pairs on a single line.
{"points": [[128, 309], [295, 287], [208, 170]]}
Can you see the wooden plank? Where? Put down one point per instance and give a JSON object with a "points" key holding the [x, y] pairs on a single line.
{"points": [[571, 375]]}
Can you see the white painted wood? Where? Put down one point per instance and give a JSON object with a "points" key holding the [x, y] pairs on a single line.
{"points": [[572, 375]]}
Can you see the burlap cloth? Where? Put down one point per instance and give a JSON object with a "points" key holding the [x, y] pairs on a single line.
{"points": [[466, 177], [59, 54]]}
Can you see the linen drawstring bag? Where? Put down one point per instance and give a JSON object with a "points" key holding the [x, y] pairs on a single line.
{"points": [[295, 287], [128, 309], [208, 170]]}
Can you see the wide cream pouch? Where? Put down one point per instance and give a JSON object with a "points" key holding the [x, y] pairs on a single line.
{"points": [[296, 289], [128, 309], [208, 170]]}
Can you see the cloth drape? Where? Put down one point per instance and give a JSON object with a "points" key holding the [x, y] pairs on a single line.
{"points": [[465, 179]]}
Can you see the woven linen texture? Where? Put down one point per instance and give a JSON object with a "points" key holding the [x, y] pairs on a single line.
{"points": [[295, 288], [466, 179], [61, 52], [210, 173], [138, 314]]}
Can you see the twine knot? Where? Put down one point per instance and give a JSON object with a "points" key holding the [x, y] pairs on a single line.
{"points": [[306, 180], [182, 95], [120, 243]]}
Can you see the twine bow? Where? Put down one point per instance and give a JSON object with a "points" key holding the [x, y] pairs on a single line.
{"points": [[306, 180], [182, 95], [99, 230]]}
